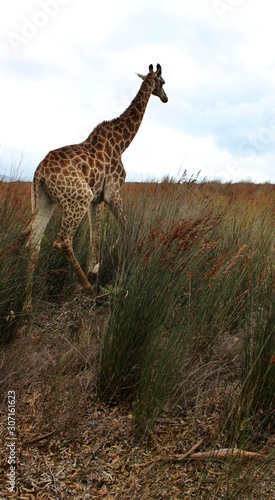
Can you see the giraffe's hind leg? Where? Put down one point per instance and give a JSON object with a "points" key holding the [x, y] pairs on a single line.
{"points": [[38, 225], [72, 214]]}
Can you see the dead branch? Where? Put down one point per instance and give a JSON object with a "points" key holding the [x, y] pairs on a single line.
{"points": [[222, 453]]}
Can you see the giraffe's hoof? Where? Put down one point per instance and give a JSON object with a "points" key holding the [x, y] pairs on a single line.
{"points": [[87, 287]]}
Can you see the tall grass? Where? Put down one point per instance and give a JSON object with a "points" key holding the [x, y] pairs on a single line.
{"points": [[185, 280], [14, 212], [257, 398], [196, 262]]}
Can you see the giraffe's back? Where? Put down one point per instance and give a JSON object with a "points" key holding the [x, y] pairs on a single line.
{"points": [[77, 165]]}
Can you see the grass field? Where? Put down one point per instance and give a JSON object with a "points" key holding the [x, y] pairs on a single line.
{"points": [[122, 394]]}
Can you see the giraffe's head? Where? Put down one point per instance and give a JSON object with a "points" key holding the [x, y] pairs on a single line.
{"points": [[158, 89]]}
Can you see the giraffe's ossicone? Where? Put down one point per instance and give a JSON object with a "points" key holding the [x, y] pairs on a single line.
{"points": [[78, 178]]}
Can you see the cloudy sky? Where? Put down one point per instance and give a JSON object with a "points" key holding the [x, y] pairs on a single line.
{"points": [[67, 65]]}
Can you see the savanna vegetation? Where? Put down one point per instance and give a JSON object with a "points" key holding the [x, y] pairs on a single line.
{"points": [[160, 385]]}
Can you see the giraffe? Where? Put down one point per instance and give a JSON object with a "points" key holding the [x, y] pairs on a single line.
{"points": [[79, 177]]}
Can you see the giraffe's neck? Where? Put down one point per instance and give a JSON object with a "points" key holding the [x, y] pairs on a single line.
{"points": [[122, 130], [129, 122]]}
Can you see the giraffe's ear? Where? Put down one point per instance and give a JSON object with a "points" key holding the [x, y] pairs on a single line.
{"points": [[141, 76]]}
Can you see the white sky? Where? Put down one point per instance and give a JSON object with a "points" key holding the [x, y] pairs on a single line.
{"points": [[67, 65]]}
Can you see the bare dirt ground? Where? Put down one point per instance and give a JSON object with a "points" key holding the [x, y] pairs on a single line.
{"points": [[71, 445]]}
